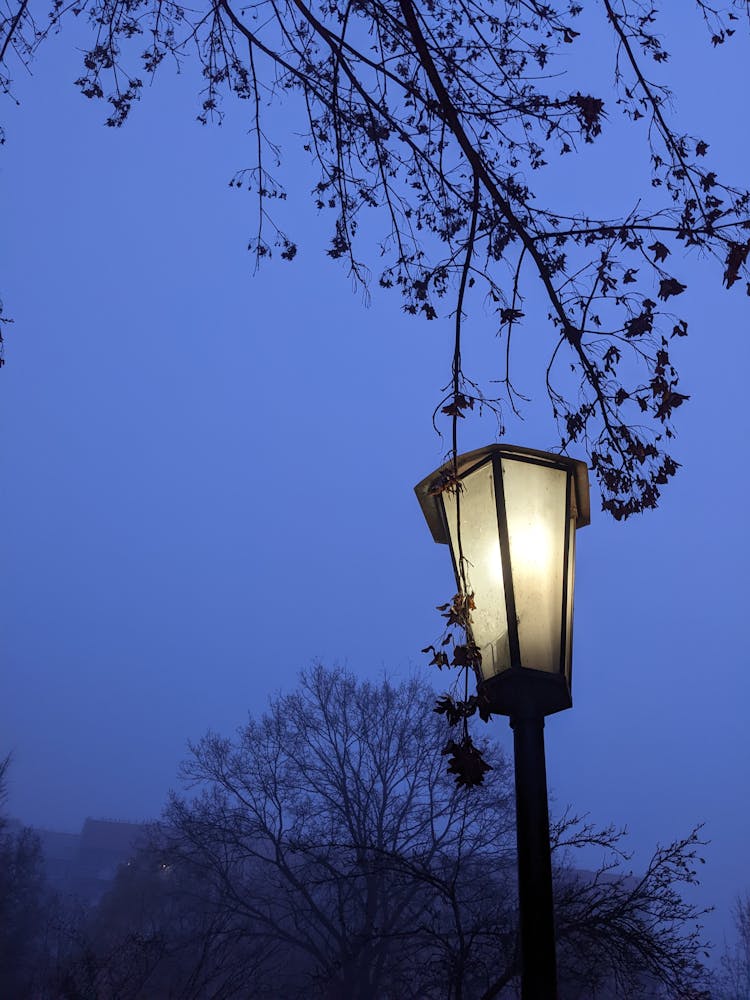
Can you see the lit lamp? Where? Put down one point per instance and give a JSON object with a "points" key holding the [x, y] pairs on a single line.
{"points": [[511, 527], [518, 510]]}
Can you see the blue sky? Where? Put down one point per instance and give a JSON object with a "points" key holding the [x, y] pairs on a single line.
{"points": [[207, 481]]}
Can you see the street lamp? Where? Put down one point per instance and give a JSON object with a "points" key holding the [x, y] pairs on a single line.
{"points": [[510, 521]]}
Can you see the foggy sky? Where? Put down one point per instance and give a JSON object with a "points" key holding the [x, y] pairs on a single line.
{"points": [[207, 481]]}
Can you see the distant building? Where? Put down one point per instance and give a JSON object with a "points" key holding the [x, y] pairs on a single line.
{"points": [[84, 864]]}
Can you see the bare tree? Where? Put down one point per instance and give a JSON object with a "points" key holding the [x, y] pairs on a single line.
{"points": [[330, 832], [627, 934], [25, 902], [734, 976], [159, 933], [435, 115], [300, 820]]}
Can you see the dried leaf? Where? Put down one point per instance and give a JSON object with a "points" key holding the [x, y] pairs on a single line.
{"points": [[659, 250], [446, 706], [670, 286], [466, 762], [680, 329], [736, 259]]}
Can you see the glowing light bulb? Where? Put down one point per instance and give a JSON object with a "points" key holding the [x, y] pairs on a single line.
{"points": [[532, 546]]}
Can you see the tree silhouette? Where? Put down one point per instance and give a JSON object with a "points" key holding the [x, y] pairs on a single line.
{"points": [[25, 902], [733, 981], [435, 116], [327, 837]]}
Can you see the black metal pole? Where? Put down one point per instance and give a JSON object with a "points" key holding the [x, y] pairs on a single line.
{"points": [[538, 965]]}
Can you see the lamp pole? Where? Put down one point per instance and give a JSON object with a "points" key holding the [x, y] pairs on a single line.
{"points": [[512, 542], [538, 964]]}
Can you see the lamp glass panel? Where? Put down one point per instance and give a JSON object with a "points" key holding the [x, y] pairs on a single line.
{"points": [[484, 571], [537, 525], [569, 607]]}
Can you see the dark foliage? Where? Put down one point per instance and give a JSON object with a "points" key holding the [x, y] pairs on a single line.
{"points": [[733, 980], [323, 852], [436, 115], [26, 906]]}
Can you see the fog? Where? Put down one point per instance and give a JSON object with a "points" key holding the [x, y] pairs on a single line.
{"points": [[207, 485]]}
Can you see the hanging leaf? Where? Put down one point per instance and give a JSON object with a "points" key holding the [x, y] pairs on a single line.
{"points": [[659, 250], [670, 286], [446, 706], [736, 259], [466, 762]]}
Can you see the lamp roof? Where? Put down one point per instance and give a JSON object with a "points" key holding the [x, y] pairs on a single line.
{"points": [[470, 459]]}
